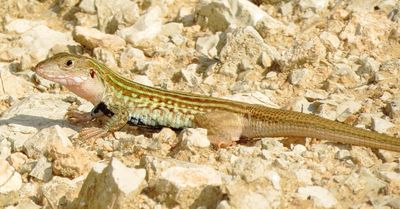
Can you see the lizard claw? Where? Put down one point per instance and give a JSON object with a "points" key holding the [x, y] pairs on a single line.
{"points": [[76, 116], [93, 132]]}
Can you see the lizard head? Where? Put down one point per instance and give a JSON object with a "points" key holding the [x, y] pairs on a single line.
{"points": [[77, 73]]}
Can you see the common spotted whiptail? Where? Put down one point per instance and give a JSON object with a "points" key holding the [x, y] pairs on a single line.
{"points": [[123, 100]]}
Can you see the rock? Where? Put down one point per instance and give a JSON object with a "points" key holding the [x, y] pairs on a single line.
{"points": [[381, 125], [301, 104], [189, 74], [389, 176], [92, 38], [185, 185], [105, 56], [330, 40], [143, 79], [46, 138], [361, 6], [313, 4], [185, 16], [10, 180], [129, 56], [69, 162], [243, 43], [251, 169], [12, 85], [347, 109], [112, 14], [219, 15], [298, 76], [17, 159], [299, 149], [18, 140], [36, 111], [60, 191], [369, 66], [343, 155], [245, 65], [207, 45], [11, 54], [25, 204], [166, 135], [286, 9], [171, 28], [42, 170], [111, 185], [316, 94], [22, 25], [254, 98], [259, 194], [266, 60], [146, 28], [321, 196], [86, 20], [88, 6], [178, 39], [367, 181], [5, 149], [40, 39], [363, 156], [393, 108], [300, 54], [304, 176], [194, 137]]}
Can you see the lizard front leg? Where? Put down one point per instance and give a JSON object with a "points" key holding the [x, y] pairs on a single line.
{"points": [[223, 128], [75, 116], [117, 120]]}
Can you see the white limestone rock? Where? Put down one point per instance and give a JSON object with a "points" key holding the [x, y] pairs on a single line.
{"points": [[194, 137], [42, 170], [186, 184], [12, 85], [190, 75], [10, 180], [146, 28], [112, 14], [111, 185], [243, 43], [207, 45], [92, 38], [321, 196], [88, 6], [40, 39], [53, 136], [313, 4], [381, 125], [219, 15], [22, 25], [329, 39]]}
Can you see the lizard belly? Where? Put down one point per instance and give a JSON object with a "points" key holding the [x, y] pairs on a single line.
{"points": [[160, 118]]}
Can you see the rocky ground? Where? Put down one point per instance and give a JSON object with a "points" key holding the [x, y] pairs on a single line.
{"points": [[336, 59]]}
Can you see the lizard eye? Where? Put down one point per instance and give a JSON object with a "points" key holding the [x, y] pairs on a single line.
{"points": [[69, 63], [92, 73]]}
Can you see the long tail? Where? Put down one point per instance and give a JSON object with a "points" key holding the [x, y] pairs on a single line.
{"points": [[264, 122]]}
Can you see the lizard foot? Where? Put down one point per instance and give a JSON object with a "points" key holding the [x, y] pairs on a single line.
{"points": [[93, 132], [218, 142], [76, 116]]}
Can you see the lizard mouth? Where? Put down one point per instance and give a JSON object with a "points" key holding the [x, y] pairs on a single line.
{"points": [[53, 73]]}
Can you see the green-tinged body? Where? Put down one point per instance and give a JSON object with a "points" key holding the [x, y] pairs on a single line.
{"points": [[225, 120]]}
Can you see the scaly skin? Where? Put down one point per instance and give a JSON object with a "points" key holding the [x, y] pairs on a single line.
{"points": [[225, 120]]}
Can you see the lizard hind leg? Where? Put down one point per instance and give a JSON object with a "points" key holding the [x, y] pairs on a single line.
{"points": [[223, 128]]}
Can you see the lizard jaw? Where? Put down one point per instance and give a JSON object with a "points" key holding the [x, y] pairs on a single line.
{"points": [[80, 85], [52, 73]]}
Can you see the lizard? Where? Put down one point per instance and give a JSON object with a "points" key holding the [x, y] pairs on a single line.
{"points": [[226, 121]]}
